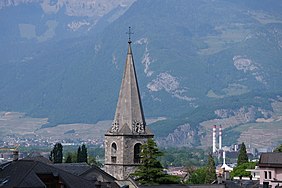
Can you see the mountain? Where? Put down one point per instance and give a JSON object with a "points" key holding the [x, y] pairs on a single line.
{"points": [[64, 59], [44, 42]]}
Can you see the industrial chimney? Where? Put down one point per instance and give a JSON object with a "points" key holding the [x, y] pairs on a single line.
{"points": [[220, 138], [223, 156], [214, 139]]}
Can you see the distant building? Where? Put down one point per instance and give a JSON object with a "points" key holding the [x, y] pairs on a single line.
{"points": [[255, 173], [38, 171], [225, 170], [33, 173], [128, 132], [91, 173], [270, 167]]}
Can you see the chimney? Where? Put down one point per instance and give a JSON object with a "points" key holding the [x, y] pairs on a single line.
{"points": [[223, 156], [220, 138], [235, 147], [15, 155], [214, 139]]}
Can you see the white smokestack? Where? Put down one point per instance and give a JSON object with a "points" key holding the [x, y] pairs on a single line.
{"points": [[220, 138], [223, 156], [214, 139], [235, 147]]}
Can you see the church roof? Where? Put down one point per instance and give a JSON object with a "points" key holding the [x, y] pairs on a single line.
{"points": [[129, 117]]}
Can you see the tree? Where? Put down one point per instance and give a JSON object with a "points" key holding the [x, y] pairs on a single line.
{"points": [[82, 154], [198, 176], [190, 170], [150, 171], [204, 175], [69, 158], [92, 161], [210, 170], [56, 154], [278, 149], [242, 157], [78, 158], [241, 169]]}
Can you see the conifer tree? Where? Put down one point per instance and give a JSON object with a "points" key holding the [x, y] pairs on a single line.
{"points": [[78, 158], [69, 158], [242, 157], [210, 170], [150, 171], [83, 154], [56, 154]]}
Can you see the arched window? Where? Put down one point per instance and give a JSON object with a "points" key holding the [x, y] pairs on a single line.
{"points": [[137, 151], [114, 152]]}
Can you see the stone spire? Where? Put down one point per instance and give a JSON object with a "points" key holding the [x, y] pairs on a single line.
{"points": [[129, 116], [128, 133]]}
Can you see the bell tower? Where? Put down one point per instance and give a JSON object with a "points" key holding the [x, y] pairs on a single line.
{"points": [[128, 132]]}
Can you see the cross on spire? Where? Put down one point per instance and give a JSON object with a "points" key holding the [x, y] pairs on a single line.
{"points": [[129, 34]]}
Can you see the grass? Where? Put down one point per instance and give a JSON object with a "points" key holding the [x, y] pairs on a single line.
{"points": [[229, 35]]}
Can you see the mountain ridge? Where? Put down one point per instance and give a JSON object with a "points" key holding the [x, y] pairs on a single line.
{"points": [[223, 54]]}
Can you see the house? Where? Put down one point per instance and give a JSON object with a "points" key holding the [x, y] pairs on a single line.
{"points": [[91, 173], [33, 173], [38, 171], [255, 173], [270, 166]]}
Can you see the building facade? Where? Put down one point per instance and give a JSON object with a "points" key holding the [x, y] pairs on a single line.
{"points": [[128, 132], [270, 167]]}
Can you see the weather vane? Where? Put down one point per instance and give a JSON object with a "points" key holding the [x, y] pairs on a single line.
{"points": [[129, 34]]}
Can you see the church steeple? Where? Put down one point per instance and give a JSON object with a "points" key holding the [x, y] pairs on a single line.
{"points": [[129, 116], [128, 133]]}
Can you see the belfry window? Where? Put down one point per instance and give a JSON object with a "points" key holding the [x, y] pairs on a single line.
{"points": [[137, 151], [113, 153]]}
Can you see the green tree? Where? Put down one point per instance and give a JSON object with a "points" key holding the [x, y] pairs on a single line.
{"points": [[72, 155], [183, 157], [56, 154], [150, 171], [69, 158], [203, 175], [278, 149], [210, 170], [198, 176], [241, 169], [190, 170], [78, 158], [92, 161], [83, 154], [242, 157]]}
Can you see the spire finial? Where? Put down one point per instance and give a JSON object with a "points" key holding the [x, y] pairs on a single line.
{"points": [[129, 34]]}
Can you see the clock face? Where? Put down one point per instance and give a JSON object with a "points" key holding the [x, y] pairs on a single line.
{"points": [[138, 126]]}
